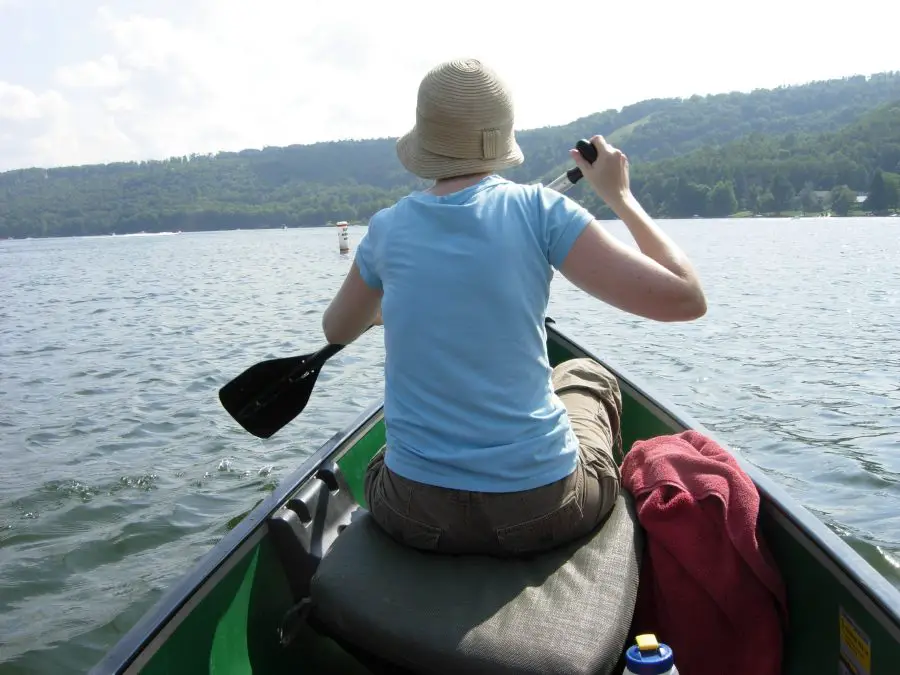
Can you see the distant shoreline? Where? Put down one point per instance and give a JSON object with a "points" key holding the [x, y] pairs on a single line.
{"points": [[737, 216], [741, 215]]}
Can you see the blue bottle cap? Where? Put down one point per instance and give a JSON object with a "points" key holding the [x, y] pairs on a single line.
{"points": [[654, 659]]}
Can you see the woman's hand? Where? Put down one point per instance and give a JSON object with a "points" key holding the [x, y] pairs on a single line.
{"points": [[608, 174]]}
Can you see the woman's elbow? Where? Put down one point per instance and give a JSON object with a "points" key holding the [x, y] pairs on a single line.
{"points": [[691, 308], [698, 308], [331, 334]]}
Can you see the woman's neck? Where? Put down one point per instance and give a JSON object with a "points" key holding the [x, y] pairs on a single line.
{"points": [[446, 186]]}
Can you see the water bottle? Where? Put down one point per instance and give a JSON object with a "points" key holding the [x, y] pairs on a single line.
{"points": [[649, 657]]}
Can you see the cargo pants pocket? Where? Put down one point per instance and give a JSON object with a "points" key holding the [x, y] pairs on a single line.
{"points": [[392, 519], [544, 532], [407, 530]]}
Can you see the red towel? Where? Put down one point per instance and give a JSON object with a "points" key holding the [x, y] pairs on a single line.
{"points": [[709, 587]]}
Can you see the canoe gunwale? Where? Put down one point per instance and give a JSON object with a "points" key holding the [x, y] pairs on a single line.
{"points": [[849, 568], [174, 619], [161, 618]]}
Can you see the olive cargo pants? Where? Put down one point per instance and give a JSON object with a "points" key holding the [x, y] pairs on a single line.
{"points": [[512, 523]]}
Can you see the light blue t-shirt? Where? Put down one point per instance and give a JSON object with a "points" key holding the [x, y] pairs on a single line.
{"points": [[466, 279]]}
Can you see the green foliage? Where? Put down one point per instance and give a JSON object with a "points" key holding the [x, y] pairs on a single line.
{"points": [[770, 173], [782, 192], [722, 201], [842, 200], [884, 192], [763, 152], [810, 201]]}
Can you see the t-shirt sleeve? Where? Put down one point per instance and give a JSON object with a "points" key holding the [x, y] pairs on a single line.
{"points": [[366, 257], [563, 220]]}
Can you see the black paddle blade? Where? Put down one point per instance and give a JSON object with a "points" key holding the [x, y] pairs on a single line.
{"points": [[268, 395]]}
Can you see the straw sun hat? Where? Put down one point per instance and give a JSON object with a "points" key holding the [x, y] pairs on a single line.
{"points": [[464, 123]]}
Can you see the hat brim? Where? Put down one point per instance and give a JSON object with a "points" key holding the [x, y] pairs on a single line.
{"points": [[425, 164]]}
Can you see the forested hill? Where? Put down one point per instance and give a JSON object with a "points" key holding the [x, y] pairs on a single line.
{"points": [[765, 151]]}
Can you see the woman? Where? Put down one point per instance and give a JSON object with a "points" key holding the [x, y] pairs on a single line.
{"points": [[488, 450]]}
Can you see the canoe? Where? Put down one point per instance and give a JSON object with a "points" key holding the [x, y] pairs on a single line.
{"points": [[244, 607]]}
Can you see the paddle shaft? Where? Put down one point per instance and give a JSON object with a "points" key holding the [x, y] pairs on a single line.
{"points": [[568, 179]]}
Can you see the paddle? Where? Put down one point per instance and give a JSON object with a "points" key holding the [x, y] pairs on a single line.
{"points": [[269, 394]]}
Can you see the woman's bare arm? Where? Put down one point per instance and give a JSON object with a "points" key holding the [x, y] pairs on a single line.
{"points": [[658, 281], [630, 280], [354, 308]]}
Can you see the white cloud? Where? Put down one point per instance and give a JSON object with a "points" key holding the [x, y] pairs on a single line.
{"points": [[46, 130], [27, 117], [149, 43], [142, 79], [19, 104], [101, 73], [121, 103]]}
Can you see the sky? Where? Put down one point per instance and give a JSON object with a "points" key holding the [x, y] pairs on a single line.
{"points": [[92, 82]]}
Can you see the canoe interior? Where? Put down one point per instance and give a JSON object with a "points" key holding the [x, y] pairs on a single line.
{"points": [[238, 599]]}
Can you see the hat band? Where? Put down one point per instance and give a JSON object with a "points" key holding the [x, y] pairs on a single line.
{"points": [[464, 143], [490, 143]]}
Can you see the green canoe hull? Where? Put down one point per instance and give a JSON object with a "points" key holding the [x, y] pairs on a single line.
{"points": [[233, 614]]}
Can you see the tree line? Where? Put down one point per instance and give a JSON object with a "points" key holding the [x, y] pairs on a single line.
{"points": [[776, 174], [802, 148]]}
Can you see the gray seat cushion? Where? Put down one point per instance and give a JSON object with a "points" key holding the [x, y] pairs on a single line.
{"points": [[564, 611]]}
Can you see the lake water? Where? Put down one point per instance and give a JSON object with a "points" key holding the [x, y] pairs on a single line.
{"points": [[119, 468]]}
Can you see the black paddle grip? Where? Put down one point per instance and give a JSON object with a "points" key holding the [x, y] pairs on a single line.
{"points": [[589, 152]]}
